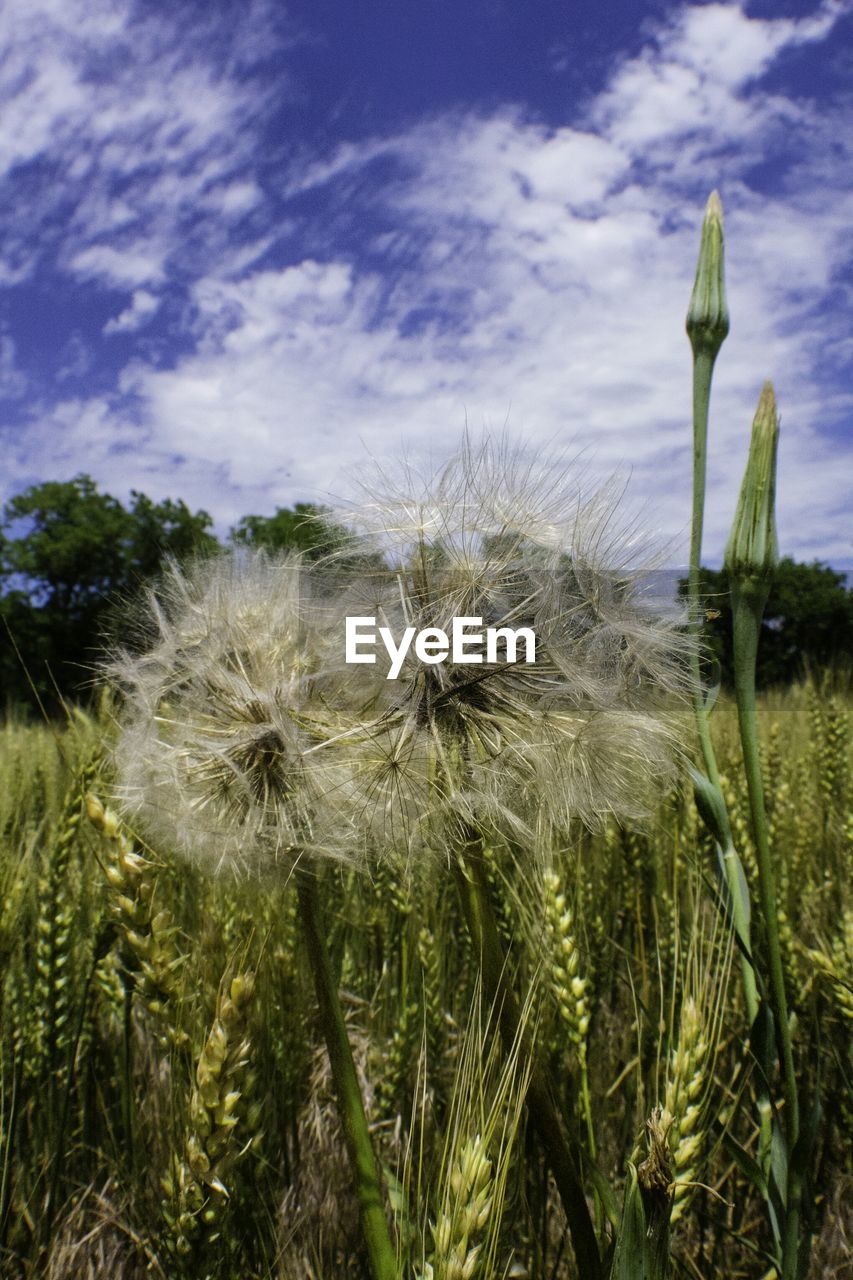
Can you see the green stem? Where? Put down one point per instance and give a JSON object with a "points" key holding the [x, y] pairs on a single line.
{"points": [[747, 608], [482, 926], [8, 1152], [59, 1153], [383, 1265], [127, 1110], [703, 368], [586, 1107]]}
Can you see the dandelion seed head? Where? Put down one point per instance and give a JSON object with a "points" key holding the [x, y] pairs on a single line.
{"points": [[586, 731], [244, 740], [217, 754]]}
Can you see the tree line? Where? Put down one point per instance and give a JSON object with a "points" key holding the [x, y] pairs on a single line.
{"points": [[72, 559]]}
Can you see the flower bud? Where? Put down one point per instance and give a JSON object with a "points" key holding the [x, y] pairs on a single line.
{"points": [[708, 313], [752, 551]]}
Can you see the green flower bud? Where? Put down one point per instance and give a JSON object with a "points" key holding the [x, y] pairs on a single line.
{"points": [[708, 313], [752, 552]]}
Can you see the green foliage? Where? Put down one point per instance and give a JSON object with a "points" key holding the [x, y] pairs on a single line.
{"points": [[160, 529], [117, 961], [808, 622], [70, 556], [71, 552], [304, 527], [67, 553]]}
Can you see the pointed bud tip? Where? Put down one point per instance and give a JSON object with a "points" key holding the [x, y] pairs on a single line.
{"points": [[714, 207], [766, 402], [708, 315], [752, 551]]}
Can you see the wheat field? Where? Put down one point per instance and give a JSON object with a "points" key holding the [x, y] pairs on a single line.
{"points": [[166, 1102]]}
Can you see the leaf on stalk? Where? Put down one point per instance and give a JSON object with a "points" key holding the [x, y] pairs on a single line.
{"points": [[804, 1147], [712, 807], [748, 1166], [713, 689]]}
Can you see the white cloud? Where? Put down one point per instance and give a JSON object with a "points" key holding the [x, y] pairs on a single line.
{"points": [[534, 275], [135, 128], [117, 268], [39, 98], [142, 306], [693, 76], [233, 197]]}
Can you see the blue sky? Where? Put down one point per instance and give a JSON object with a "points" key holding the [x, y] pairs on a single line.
{"points": [[246, 245]]}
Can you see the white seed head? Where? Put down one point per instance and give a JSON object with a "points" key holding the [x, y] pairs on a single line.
{"points": [[582, 732], [245, 739], [219, 756]]}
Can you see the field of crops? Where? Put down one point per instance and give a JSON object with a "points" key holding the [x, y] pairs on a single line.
{"points": [[166, 1100]]}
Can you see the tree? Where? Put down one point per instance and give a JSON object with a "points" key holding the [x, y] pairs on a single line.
{"points": [[304, 527], [808, 621], [70, 549], [310, 530], [166, 529], [68, 553]]}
